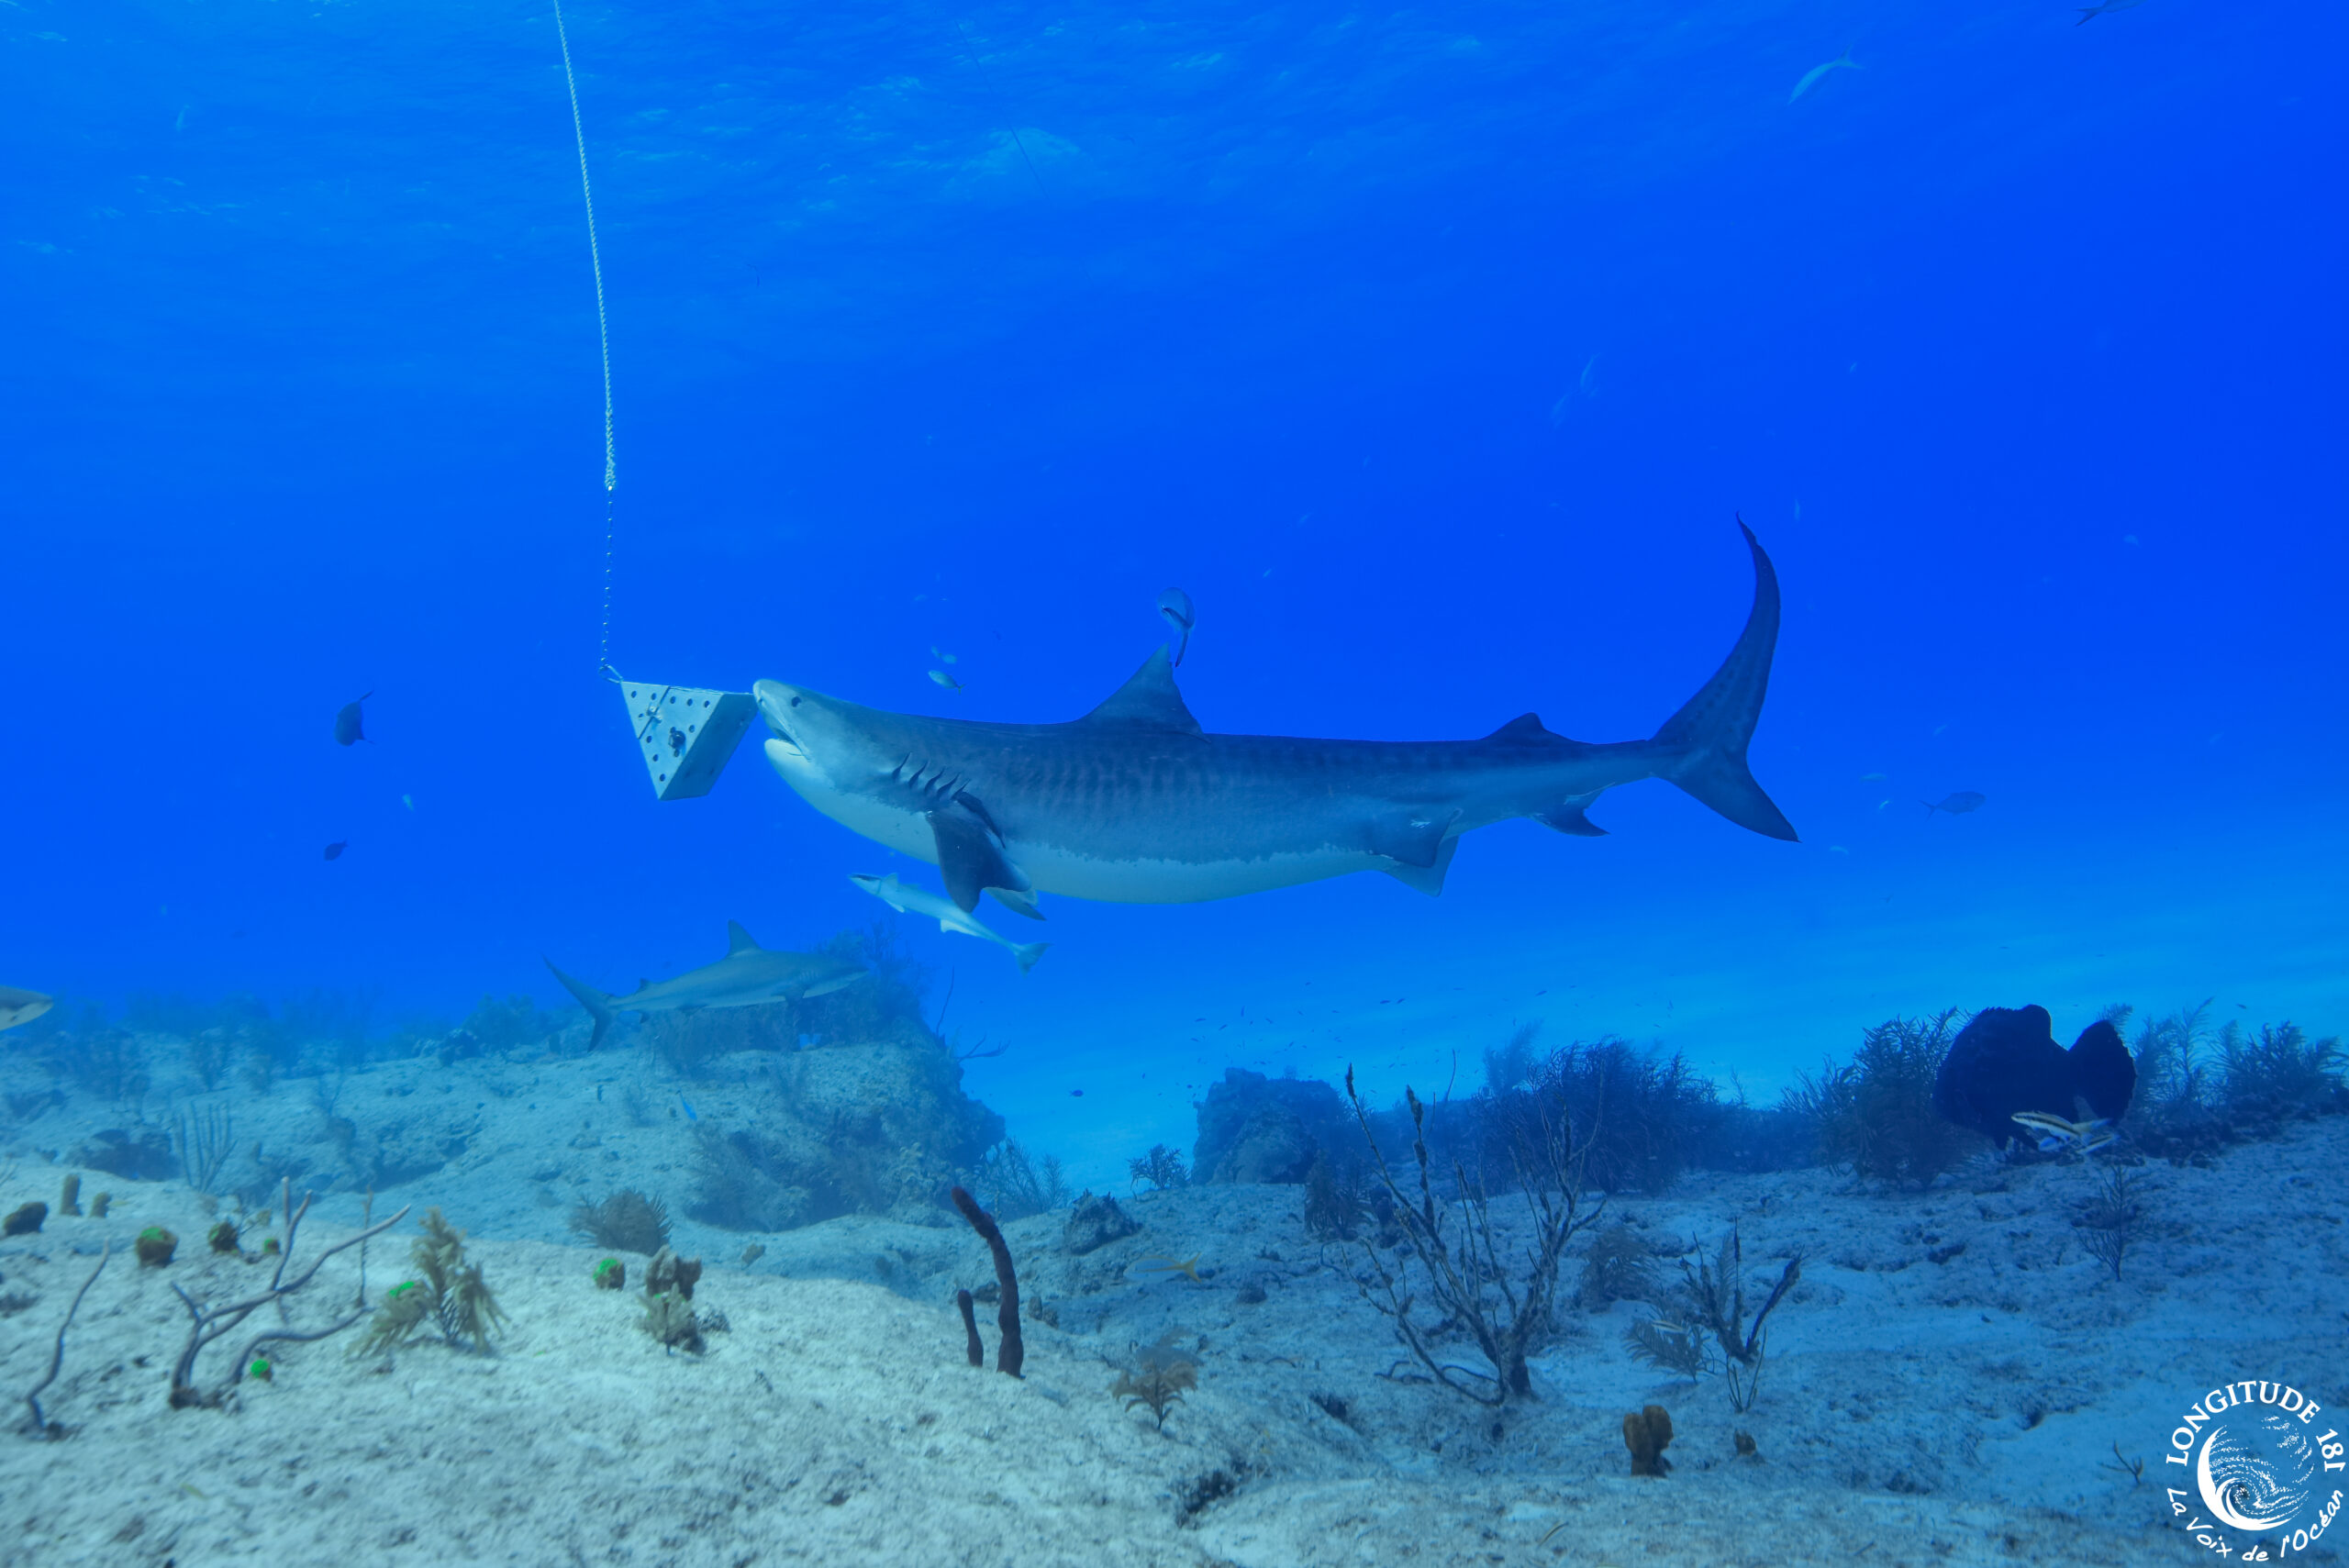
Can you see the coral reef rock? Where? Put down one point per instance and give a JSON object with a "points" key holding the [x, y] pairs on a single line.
{"points": [[1254, 1128], [1095, 1222]]}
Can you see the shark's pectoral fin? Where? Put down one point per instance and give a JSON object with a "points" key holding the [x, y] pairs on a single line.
{"points": [[1016, 902], [1426, 879], [970, 854], [738, 940], [1568, 818], [1414, 838]]}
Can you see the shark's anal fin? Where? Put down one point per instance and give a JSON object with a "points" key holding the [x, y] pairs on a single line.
{"points": [[1146, 701], [1426, 879], [1414, 838], [1569, 819], [970, 857], [738, 940]]}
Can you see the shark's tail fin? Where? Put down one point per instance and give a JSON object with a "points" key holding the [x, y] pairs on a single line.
{"points": [[1711, 733], [1027, 953], [599, 1004]]}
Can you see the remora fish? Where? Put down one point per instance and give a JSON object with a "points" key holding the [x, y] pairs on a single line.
{"points": [[1133, 803], [348, 730], [1812, 77], [914, 901], [22, 1007], [747, 976]]}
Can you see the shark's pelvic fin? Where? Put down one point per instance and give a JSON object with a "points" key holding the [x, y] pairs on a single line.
{"points": [[971, 858], [1017, 902], [1413, 838], [1148, 701], [599, 1004], [1712, 731], [738, 940], [1426, 879]]}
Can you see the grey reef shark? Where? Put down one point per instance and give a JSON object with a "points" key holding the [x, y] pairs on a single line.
{"points": [[1133, 803], [748, 976]]}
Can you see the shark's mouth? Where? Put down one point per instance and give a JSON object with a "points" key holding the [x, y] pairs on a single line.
{"points": [[775, 702]]}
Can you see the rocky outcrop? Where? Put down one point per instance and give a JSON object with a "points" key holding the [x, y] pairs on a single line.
{"points": [[1254, 1128]]}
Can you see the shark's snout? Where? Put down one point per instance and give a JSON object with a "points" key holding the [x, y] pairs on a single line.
{"points": [[775, 702]]}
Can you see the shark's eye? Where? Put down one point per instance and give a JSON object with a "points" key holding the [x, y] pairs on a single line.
{"points": [[795, 702]]}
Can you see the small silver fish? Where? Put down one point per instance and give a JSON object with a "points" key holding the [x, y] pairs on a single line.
{"points": [[1175, 606], [1816, 74], [943, 679]]}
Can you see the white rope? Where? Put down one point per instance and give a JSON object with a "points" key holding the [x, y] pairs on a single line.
{"points": [[603, 328]]}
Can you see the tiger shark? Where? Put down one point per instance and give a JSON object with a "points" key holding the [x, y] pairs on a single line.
{"points": [[1134, 802], [747, 976]]}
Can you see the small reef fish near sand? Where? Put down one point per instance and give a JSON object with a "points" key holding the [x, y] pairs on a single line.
{"points": [[1817, 73], [1135, 803], [22, 1007], [2057, 1133], [347, 730], [748, 976], [1957, 805], [1188, 1267], [914, 901]]}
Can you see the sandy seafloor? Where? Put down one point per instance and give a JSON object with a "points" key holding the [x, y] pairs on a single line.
{"points": [[1913, 1410]]}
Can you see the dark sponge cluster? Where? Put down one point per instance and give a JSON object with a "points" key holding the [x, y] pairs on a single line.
{"points": [[2006, 1059]]}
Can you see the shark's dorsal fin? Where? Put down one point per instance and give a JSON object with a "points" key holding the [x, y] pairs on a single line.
{"points": [[738, 940], [1148, 701], [1525, 729]]}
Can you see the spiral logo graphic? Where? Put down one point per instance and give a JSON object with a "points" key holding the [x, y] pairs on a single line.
{"points": [[2257, 1474], [2256, 1459]]}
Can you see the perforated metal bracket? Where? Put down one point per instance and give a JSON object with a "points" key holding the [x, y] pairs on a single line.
{"points": [[686, 733]]}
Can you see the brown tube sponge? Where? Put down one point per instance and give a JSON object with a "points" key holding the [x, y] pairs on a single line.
{"points": [[1010, 1354], [977, 1351], [1645, 1433]]}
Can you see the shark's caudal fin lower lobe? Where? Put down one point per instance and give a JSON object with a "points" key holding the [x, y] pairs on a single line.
{"points": [[1712, 731], [599, 1004], [1027, 953]]}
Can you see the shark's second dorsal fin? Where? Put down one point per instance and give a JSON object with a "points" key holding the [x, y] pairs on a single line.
{"points": [[1526, 728], [738, 940], [1148, 701]]}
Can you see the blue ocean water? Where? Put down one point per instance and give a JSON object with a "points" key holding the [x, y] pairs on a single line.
{"points": [[1433, 351]]}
